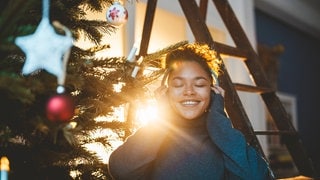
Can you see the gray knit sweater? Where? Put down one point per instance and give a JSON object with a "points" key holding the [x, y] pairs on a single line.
{"points": [[205, 149]]}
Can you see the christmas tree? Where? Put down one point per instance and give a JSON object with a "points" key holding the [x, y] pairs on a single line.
{"points": [[40, 148]]}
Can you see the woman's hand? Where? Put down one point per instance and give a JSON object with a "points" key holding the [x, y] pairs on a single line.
{"points": [[160, 92], [218, 90], [162, 100]]}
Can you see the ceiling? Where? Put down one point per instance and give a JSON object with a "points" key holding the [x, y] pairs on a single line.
{"points": [[302, 14]]}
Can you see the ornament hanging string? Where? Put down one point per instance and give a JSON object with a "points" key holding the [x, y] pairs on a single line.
{"points": [[45, 9], [45, 13], [62, 77]]}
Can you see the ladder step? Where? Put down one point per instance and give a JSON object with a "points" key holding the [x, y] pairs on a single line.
{"points": [[275, 132], [231, 51], [253, 89]]}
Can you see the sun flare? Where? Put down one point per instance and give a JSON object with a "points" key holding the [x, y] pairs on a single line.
{"points": [[146, 113]]}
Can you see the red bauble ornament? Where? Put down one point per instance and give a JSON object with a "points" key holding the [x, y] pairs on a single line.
{"points": [[117, 14], [60, 108]]}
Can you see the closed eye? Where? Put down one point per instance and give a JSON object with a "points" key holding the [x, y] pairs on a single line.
{"points": [[177, 85], [200, 85], [201, 82], [198, 82], [177, 82]]}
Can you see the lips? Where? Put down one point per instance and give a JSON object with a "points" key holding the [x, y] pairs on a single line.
{"points": [[190, 102]]}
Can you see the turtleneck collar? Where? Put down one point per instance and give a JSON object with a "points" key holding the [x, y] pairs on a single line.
{"points": [[200, 122]]}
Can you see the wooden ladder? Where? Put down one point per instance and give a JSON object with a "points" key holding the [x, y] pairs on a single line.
{"points": [[195, 16]]}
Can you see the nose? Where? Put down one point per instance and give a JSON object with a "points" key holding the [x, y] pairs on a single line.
{"points": [[189, 90]]}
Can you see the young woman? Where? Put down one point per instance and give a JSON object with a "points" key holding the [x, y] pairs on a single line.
{"points": [[194, 139]]}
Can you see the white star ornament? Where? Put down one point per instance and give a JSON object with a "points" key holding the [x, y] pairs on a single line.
{"points": [[44, 49]]}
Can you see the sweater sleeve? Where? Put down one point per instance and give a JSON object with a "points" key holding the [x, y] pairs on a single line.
{"points": [[240, 159], [134, 157]]}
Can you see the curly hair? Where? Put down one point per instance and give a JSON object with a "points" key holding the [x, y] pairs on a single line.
{"points": [[196, 52]]}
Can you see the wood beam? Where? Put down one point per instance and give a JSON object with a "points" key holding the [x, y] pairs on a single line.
{"points": [[147, 27]]}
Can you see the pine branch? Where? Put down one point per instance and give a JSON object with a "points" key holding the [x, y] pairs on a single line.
{"points": [[10, 15]]}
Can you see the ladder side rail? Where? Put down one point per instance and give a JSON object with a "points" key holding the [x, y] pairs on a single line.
{"points": [[293, 142], [203, 7], [274, 105]]}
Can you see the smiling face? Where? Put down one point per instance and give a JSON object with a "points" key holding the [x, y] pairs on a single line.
{"points": [[189, 89]]}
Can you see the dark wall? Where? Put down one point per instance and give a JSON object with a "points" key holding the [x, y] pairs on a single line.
{"points": [[299, 75]]}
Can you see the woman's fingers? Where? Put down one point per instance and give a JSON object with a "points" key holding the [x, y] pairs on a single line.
{"points": [[160, 91], [218, 90]]}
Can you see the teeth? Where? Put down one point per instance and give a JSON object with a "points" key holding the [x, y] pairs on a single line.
{"points": [[189, 102]]}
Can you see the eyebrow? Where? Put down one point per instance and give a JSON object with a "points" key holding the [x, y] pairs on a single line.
{"points": [[196, 78]]}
